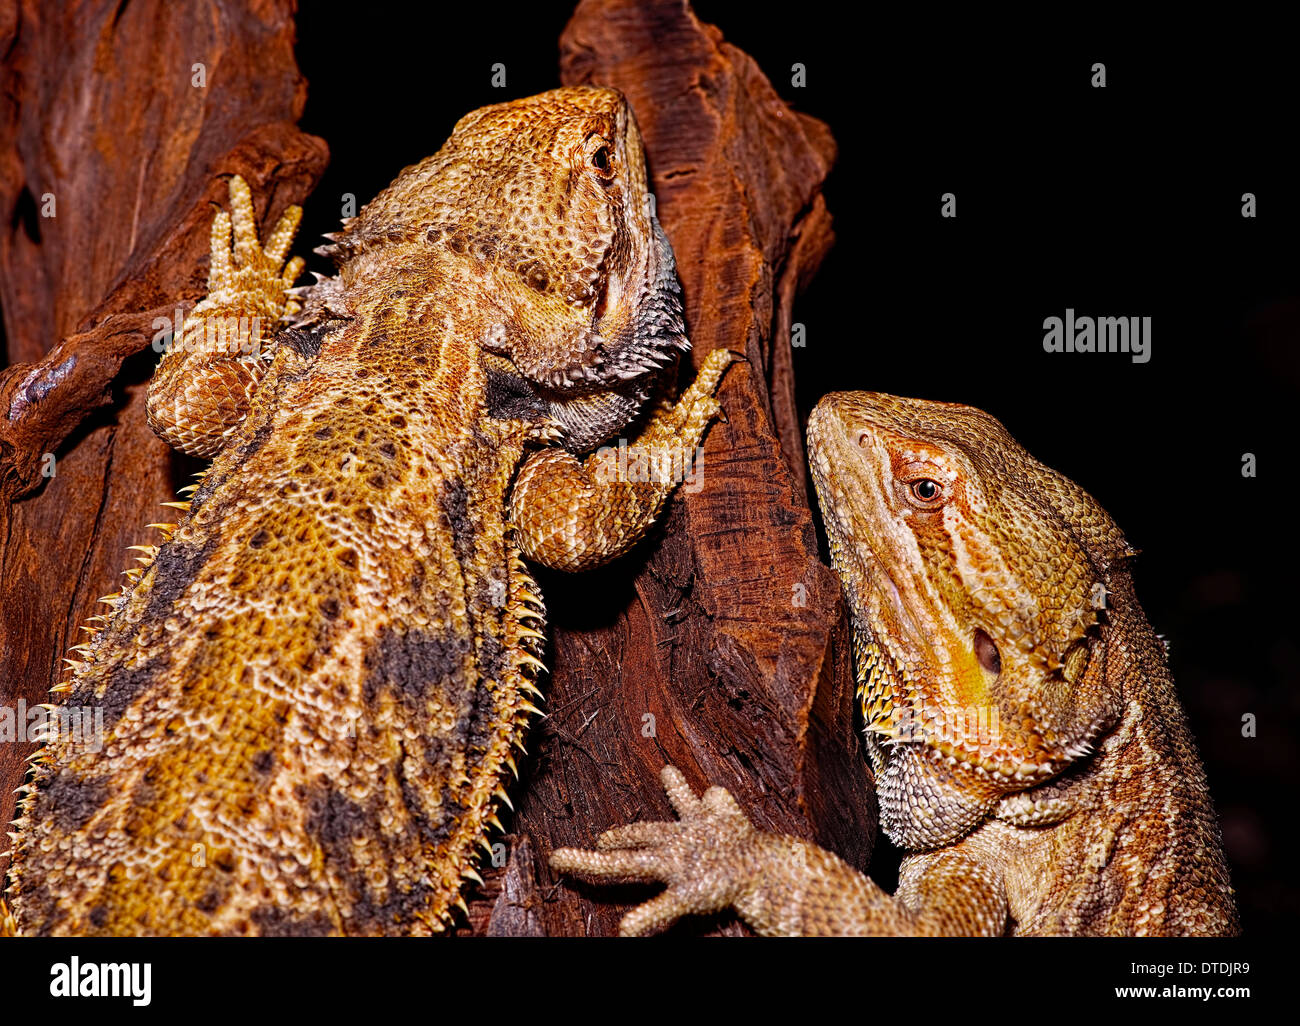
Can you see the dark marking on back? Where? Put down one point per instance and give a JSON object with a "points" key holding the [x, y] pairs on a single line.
{"points": [[336, 821], [306, 342], [71, 801], [454, 500], [260, 435], [415, 664], [279, 922], [125, 687], [476, 724], [36, 908], [174, 570]]}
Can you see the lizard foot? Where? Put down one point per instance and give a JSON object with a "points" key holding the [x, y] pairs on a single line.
{"points": [[573, 514], [245, 276], [709, 858], [204, 383]]}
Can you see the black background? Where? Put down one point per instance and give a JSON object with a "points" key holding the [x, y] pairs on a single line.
{"points": [[1123, 201]]}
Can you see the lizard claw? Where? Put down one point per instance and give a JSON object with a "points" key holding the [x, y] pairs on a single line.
{"points": [[206, 378], [239, 264], [703, 857]]}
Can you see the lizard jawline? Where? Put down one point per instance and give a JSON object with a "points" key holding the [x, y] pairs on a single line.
{"points": [[895, 711]]}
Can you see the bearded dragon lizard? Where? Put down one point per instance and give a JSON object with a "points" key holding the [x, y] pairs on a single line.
{"points": [[1030, 754], [313, 688]]}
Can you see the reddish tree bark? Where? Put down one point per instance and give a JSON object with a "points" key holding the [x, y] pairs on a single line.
{"points": [[720, 646]]}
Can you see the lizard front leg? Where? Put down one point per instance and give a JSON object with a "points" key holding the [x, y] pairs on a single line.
{"points": [[713, 859], [206, 379], [573, 514]]}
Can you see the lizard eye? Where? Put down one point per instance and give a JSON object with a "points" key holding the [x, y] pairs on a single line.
{"points": [[926, 490]]}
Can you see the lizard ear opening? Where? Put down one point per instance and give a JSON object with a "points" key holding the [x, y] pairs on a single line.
{"points": [[987, 652]]}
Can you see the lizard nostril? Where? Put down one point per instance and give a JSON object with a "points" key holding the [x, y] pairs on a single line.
{"points": [[987, 652]]}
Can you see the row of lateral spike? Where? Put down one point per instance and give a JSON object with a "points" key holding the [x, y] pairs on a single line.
{"points": [[149, 553], [876, 686], [526, 605], [40, 757], [528, 617], [93, 626]]}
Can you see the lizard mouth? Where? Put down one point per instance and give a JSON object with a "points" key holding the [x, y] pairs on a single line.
{"points": [[899, 664], [637, 328], [595, 399], [657, 331], [897, 693]]}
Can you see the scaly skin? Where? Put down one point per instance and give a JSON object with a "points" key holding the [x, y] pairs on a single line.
{"points": [[1030, 753], [313, 687]]}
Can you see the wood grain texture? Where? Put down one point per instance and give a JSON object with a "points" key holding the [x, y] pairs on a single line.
{"points": [[132, 154], [725, 628]]}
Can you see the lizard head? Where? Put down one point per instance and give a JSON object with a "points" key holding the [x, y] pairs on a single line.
{"points": [[541, 207], [976, 580]]}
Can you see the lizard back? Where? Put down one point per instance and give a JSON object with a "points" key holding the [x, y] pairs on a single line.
{"points": [[340, 611]]}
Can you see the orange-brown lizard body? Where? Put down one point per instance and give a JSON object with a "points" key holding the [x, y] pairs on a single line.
{"points": [[1031, 757], [313, 688]]}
